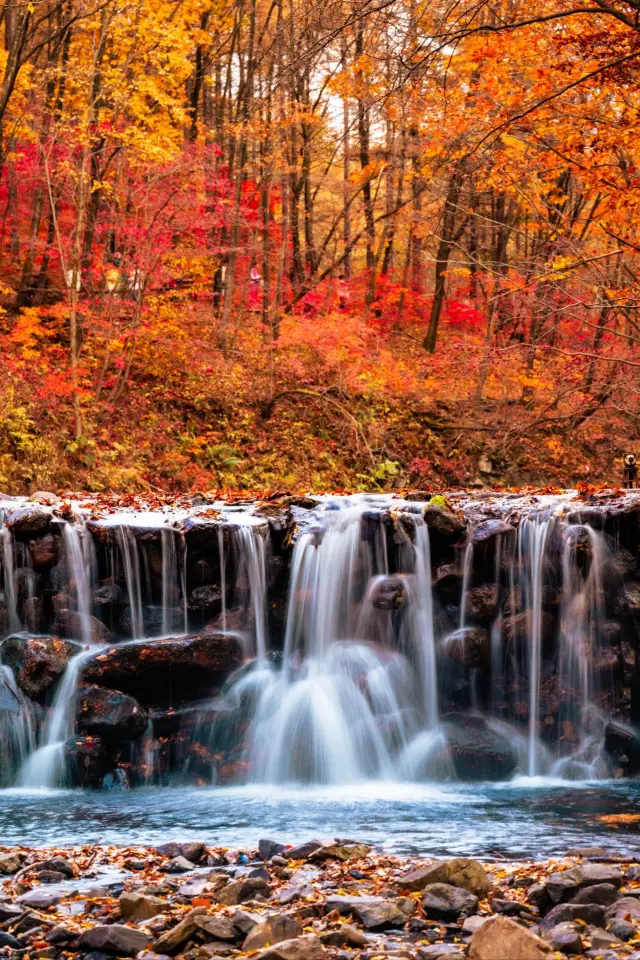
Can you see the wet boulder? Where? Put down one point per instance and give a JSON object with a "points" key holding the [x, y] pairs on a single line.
{"points": [[388, 593], [468, 646], [87, 760], [168, 670], [443, 521], [478, 751], [482, 601], [114, 939], [563, 885], [205, 599], [622, 743], [109, 714], [29, 520], [71, 625], [153, 621], [44, 551], [37, 662], [488, 530]]}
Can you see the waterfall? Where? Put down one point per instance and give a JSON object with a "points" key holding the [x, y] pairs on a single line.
{"points": [[223, 578], [170, 588], [17, 727], [45, 767], [80, 559], [9, 581], [534, 534], [252, 566], [131, 562]]}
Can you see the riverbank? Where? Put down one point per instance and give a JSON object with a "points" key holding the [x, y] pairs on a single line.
{"points": [[333, 899]]}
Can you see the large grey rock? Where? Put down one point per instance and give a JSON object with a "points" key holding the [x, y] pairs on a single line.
{"points": [[459, 872], [563, 885], [344, 936], [39, 899], [442, 901], [570, 912], [603, 893], [173, 940], [628, 908], [503, 939], [114, 939]]}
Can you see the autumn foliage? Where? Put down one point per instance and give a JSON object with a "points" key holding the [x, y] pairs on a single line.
{"points": [[291, 245]]}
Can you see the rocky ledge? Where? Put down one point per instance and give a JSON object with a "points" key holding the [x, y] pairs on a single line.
{"points": [[337, 900]]}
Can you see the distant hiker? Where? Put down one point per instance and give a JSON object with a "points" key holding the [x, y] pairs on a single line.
{"points": [[630, 477]]}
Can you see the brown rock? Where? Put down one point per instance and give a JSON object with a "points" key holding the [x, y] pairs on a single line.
{"points": [[138, 906], [114, 938], [275, 929], [172, 941], [503, 939], [37, 662], [308, 947], [239, 891], [459, 872]]}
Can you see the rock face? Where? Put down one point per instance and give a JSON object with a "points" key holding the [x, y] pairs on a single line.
{"points": [[87, 760], [165, 671], [109, 714], [504, 939], [478, 751], [442, 901], [37, 662]]}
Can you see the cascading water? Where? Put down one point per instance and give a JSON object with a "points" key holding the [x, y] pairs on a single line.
{"points": [[131, 563], [9, 577], [17, 726], [385, 668], [80, 558], [45, 767]]}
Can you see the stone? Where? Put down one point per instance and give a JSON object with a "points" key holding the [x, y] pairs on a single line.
{"points": [[218, 927], [163, 671], [109, 714], [10, 863], [115, 939], [565, 937], [87, 760], [7, 940], [303, 851], [137, 906], [173, 940], [503, 939], [10, 911], [372, 912], [440, 951], [308, 947], [538, 897], [193, 851], [44, 551], [269, 848], [443, 901], [244, 921], [633, 872], [477, 750], [340, 851], [239, 891], [570, 912], [459, 872], [508, 908], [177, 865], [61, 935], [489, 530], [628, 908], [344, 936], [563, 885], [29, 519], [443, 521], [601, 939], [40, 899], [623, 929], [467, 646], [471, 924], [37, 662], [274, 929], [603, 893], [60, 865]]}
